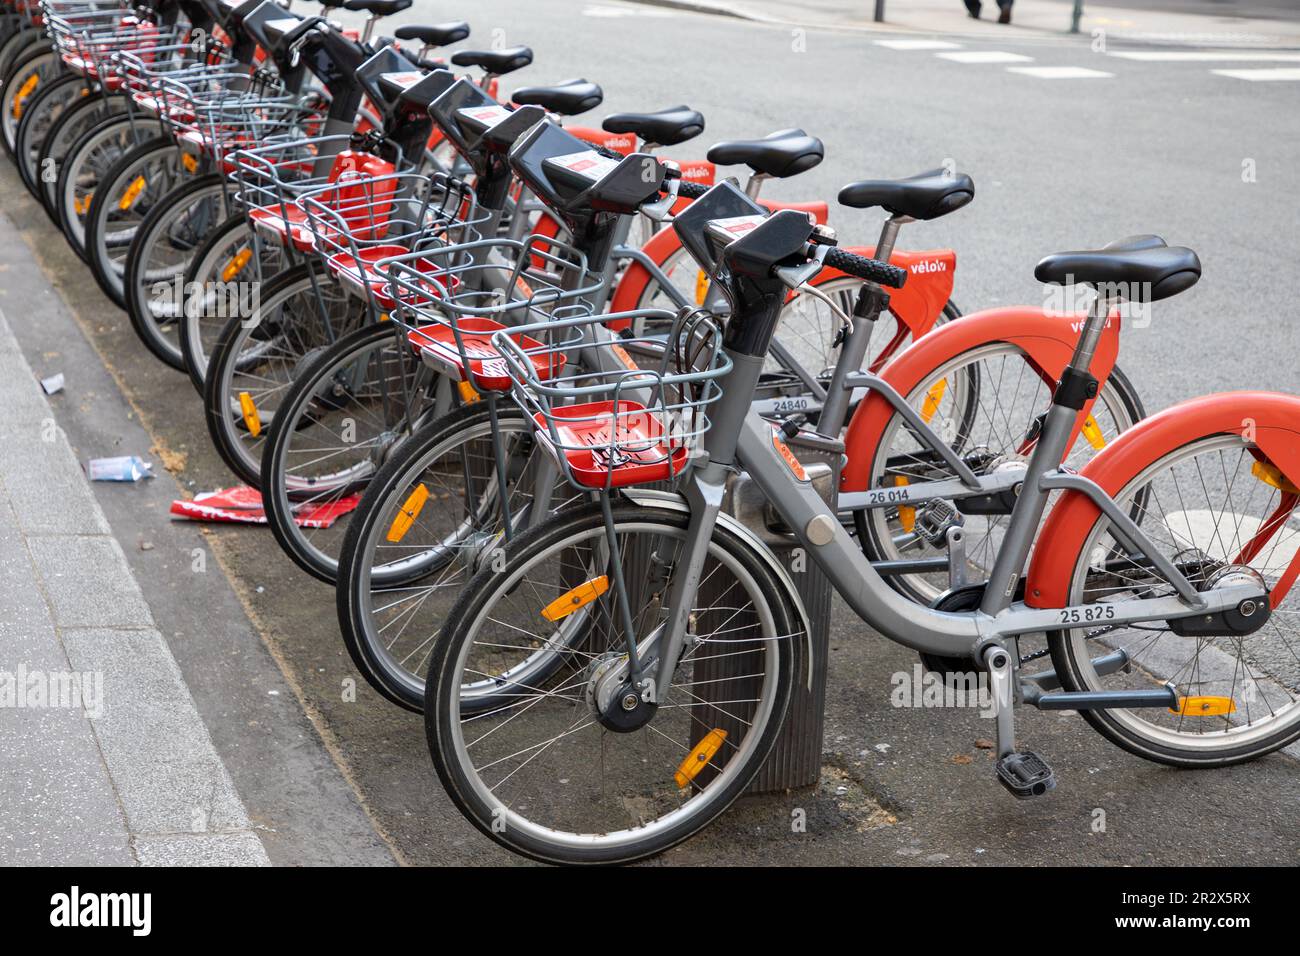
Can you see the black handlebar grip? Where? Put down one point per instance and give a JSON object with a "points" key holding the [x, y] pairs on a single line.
{"points": [[691, 190], [870, 270]]}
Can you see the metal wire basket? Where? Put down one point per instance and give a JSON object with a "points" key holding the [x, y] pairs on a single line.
{"points": [[269, 180], [369, 213], [87, 41], [210, 119], [451, 300], [628, 409]]}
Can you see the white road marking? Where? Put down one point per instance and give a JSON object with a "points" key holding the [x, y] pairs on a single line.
{"points": [[599, 10], [1223, 535], [985, 56], [1204, 56], [918, 45], [1059, 72], [1278, 73]]}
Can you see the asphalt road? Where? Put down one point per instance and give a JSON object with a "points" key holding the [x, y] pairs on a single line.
{"points": [[1058, 163], [1265, 9]]}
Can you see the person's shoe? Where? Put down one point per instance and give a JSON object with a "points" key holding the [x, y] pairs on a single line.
{"points": [[973, 9], [1005, 15]]}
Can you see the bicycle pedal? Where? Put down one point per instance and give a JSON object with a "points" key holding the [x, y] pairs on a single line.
{"points": [[1026, 775]]}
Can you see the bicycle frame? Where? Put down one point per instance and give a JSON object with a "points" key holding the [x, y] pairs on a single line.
{"points": [[740, 438]]}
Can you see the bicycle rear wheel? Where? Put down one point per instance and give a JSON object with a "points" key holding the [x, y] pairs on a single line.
{"points": [[986, 404], [541, 774], [1221, 519]]}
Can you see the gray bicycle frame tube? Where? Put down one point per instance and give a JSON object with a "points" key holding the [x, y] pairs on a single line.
{"points": [[739, 437]]}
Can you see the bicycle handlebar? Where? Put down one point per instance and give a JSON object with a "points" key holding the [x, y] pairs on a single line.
{"points": [[691, 190], [869, 270]]}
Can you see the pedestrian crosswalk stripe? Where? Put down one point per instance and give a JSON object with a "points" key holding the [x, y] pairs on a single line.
{"points": [[1059, 72], [985, 56], [1278, 73], [918, 45], [1204, 56]]}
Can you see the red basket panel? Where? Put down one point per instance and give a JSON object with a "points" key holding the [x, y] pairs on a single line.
{"points": [[644, 453], [487, 369]]}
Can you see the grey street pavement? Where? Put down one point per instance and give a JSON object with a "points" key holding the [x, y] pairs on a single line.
{"points": [[1070, 146], [106, 758]]}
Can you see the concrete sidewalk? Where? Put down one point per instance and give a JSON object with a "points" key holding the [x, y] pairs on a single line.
{"points": [[1033, 19], [106, 759]]}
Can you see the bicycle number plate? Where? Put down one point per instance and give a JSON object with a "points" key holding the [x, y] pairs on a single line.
{"points": [[887, 496], [1086, 614]]}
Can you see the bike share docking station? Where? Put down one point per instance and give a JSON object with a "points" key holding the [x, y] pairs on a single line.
{"points": [[796, 760]]}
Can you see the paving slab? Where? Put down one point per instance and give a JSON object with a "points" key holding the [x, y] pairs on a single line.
{"points": [[102, 746]]}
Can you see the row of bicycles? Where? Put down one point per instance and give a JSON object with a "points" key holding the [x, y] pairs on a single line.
{"points": [[568, 403]]}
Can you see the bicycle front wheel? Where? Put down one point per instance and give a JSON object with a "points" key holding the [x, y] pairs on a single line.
{"points": [[344, 416], [430, 517], [541, 774], [300, 312], [158, 257]]}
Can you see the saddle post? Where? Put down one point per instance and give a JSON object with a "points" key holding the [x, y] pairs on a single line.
{"points": [[856, 338], [369, 28]]}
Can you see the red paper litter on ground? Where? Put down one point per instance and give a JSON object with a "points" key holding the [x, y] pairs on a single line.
{"points": [[243, 505]]}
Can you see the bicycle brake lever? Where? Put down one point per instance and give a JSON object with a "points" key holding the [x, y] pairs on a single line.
{"points": [[660, 209], [797, 276]]}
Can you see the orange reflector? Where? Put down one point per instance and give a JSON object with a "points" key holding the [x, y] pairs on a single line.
{"points": [[132, 193], [1092, 432], [468, 393], [248, 408], [701, 286], [906, 514], [932, 399], [787, 456], [1272, 475], [191, 163], [625, 357], [699, 757], [24, 91], [236, 264], [575, 598], [410, 511], [1204, 706], [81, 205]]}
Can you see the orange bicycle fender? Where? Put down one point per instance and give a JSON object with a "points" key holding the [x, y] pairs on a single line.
{"points": [[1271, 419]]}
